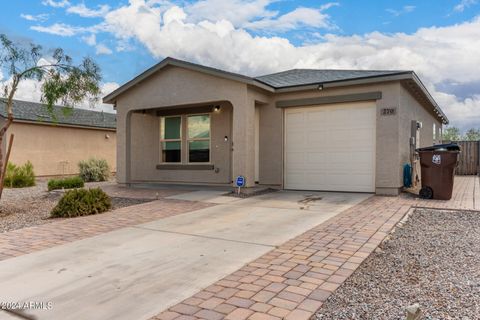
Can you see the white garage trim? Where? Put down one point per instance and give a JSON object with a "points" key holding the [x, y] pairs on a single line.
{"points": [[330, 147]]}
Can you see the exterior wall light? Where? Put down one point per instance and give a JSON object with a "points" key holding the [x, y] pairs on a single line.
{"points": [[320, 87], [216, 108]]}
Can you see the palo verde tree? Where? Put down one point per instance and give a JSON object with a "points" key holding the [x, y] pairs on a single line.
{"points": [[62, 81]]}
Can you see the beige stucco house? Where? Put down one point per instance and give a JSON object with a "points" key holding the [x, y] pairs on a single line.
{"points": [[55, 145], [338, 130]]}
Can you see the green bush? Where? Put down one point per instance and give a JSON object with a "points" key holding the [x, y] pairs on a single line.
{"points": [[81, 202], [66, 183], [19, 176], [93, 170]]}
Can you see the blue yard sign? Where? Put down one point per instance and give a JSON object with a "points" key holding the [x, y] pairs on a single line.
{"points": [[240, 181]]}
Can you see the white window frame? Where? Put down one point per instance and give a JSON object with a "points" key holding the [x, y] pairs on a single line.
{"points": [[171, 140], [209, 139], [434, 132]]}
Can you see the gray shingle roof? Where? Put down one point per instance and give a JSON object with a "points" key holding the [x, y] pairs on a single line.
{"points": [[32, 111], [298, 77]]}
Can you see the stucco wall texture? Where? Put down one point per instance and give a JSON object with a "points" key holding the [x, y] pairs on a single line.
{"points": [[55, 150], [138, 150]]}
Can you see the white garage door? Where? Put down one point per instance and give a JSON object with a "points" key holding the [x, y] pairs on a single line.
{"points": [[331, 147]]}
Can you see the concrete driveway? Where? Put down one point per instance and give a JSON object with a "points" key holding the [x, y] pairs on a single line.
{"points": [[136, 272]]}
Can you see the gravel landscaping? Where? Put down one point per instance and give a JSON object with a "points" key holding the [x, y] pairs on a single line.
{"points": [[432, 260], [26, 207]]}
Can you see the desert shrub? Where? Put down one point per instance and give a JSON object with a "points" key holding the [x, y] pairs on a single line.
{"points": [[94, 170], [19, 176], [81, 202], [66, 183]]}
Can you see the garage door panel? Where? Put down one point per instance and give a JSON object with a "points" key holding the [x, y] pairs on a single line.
{"points": [[297, 162], [331, 147], [295, 119], [296, 141], [297, 180], [317, 118]]}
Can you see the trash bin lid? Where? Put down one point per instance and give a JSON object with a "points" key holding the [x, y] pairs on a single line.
{"points": [[441, 147]]}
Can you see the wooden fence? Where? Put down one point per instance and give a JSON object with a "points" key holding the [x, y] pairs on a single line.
{"points": [[469, 158]]}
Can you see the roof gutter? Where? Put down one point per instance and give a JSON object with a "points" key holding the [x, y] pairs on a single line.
{"points": [[437, 110], [342, 83], [59, 124]]}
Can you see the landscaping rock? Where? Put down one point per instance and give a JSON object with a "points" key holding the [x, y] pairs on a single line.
{"points": [[26, 207], [432, 260]]}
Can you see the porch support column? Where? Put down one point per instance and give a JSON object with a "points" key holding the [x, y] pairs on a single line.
{"points": [[244, 140], [123, 146]]}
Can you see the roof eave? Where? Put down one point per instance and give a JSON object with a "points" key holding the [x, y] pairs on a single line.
{"points": [[347, 82], [110, 98], [437, 108], [408, 75], [62, 124]]}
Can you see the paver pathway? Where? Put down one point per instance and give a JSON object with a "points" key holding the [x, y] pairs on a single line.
{"points": [[293, 280], [289, 282], [22, 241]]}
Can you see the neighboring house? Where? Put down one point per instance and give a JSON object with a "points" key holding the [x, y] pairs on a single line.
{"points": [[55, 146], [337, 130]]}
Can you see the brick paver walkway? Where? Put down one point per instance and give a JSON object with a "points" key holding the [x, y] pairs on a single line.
{"points": [[22, 241], [290, 282], [293, 280]]}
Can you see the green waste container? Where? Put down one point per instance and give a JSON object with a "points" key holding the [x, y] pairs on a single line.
{"points": [[438, 170]]}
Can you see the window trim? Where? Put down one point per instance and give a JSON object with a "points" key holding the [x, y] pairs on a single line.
{"points": [[171, 140], [209, 139]]}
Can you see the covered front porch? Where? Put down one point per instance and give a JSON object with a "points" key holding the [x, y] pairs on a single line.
{"points": [[208, 143], [187, 127]]}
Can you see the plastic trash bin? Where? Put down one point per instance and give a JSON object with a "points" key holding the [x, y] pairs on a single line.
{"points": [[437, 170]]}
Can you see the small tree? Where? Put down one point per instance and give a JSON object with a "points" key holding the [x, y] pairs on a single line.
{"points": [[472, 135], [452, 134], [62, 81]]}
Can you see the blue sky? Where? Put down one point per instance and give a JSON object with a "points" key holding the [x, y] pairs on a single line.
{"points": [[439, 39]]}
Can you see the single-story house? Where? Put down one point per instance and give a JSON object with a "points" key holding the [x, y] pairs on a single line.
{"points": [[55, 145], [301, 129]]}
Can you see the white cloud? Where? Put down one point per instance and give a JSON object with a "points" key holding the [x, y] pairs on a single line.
{"points": [[464, 4], [59, 29], [91, 40], [300, 17], [253, 14], [85, 12], [56, 4], [66, 30], [237, 12], [463, 113], [403, 10], [102, 49], [39, 17], [192, 32]]}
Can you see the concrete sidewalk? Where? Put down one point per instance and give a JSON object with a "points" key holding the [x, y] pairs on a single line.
{"points": [[138, 271]]}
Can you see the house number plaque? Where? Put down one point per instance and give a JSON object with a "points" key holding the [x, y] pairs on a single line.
{"points": [[388, 111]]}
